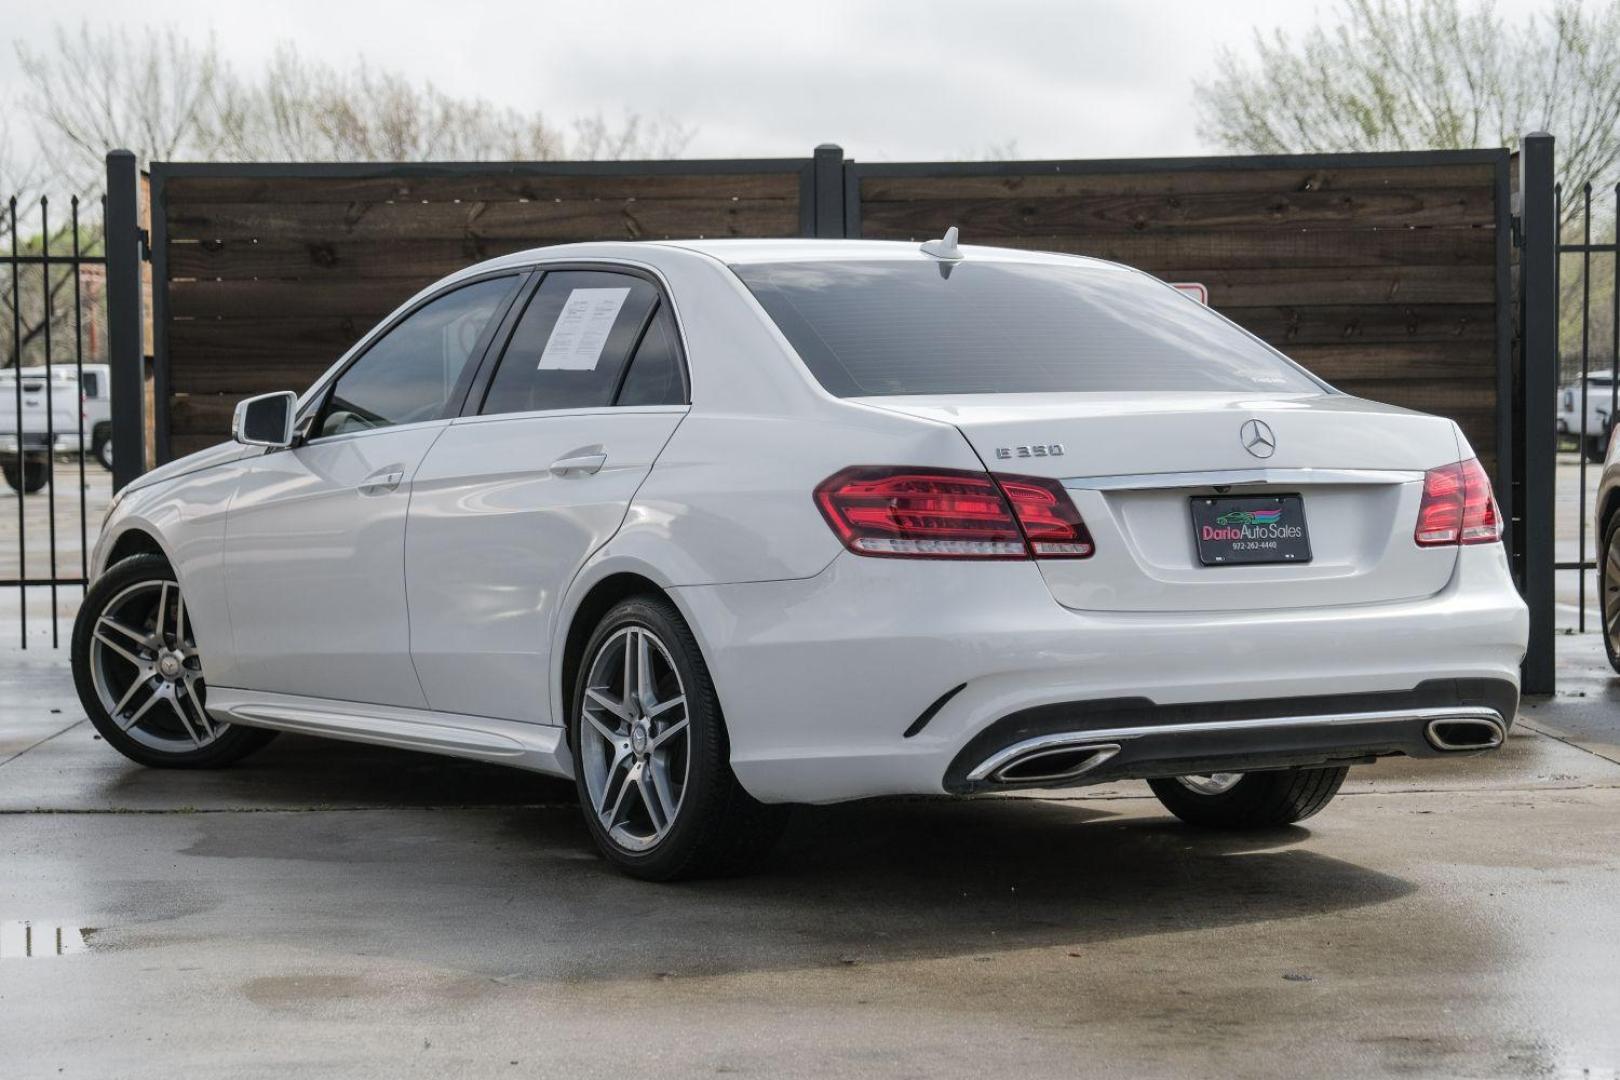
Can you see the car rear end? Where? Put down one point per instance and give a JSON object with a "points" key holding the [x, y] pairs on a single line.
{"points": [[39, 413], [1163, 549]]}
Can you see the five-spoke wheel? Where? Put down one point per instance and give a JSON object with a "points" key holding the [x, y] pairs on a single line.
{"points": [[635, 738], [652, 761], [139, 671], [148, 678]]}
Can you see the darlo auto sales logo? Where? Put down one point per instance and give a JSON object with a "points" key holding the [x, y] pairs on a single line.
{"points": [[1251, 525]]}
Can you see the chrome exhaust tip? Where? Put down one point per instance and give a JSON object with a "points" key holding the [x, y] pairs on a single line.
{"points": [[1048, 763], [1465, 733]]}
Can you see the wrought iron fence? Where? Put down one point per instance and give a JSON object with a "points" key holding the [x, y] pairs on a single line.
{"points": [[53, 287], [1588, 400]]}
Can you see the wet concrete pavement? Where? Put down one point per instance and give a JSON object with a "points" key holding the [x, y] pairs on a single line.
{"points": [[326, 909]]}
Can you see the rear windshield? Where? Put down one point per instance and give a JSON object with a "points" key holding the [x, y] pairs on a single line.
{"points": [[869, 327]]}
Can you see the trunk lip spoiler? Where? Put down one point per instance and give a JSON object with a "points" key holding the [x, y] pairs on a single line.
{"points": [[1243, 477]]}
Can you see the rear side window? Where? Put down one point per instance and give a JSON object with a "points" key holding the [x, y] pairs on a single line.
{"points": [[867, 328], [572, 342], [655, 376]]}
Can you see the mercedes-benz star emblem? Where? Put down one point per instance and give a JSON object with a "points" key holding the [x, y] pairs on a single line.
{"points": [[1257, 439]]}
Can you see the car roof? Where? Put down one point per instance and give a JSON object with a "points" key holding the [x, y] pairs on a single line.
{"points": [[739, 252], [787, 250]]}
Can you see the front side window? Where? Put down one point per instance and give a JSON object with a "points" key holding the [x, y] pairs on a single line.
{"points": [[572, 342], [916, 326], [410, 374]]}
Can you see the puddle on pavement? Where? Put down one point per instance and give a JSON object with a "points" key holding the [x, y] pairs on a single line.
{"points": [[30, 939]]}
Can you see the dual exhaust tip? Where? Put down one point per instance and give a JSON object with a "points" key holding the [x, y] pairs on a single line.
{"points": [[1052, 764], [1053, 760], [1465, 733]]}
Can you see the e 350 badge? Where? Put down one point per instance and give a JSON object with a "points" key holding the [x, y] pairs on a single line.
{"points": [[1035, 450]]}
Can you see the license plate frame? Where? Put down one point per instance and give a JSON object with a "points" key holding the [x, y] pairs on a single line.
{"points": [[1250, 530]]}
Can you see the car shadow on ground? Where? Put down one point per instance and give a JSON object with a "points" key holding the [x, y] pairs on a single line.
{"points": [[507, 882]]}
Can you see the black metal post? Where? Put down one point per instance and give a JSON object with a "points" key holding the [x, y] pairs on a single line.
{"points": [[124, 345], [1538, 268], [829, 190]]}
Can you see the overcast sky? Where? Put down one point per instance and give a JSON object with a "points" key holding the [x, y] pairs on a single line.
{"points": [[888, 81]]}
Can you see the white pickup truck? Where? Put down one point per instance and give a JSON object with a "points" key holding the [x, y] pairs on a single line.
{"points": [[1593, 434], [75, 404]]}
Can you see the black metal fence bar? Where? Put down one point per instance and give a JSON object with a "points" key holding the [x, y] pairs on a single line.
{"points": [[22, 468], [47, 315], [127, 375], [1538, 269], [78, 369]]}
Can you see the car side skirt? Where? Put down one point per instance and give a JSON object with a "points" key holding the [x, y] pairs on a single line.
{"points": [[536, 747]]}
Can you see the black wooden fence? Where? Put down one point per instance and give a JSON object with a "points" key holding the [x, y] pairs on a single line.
{"points": [[1426, 279]]}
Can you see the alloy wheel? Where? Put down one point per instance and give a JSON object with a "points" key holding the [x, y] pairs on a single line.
{"points": [[1211, 783], [147, 672], [1611, 592], [634, 738]]}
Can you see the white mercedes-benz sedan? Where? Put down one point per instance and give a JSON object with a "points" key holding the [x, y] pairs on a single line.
{"points": [[717, 527]]}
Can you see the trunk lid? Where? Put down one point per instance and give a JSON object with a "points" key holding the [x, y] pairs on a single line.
{"points": [[1132, 463]]}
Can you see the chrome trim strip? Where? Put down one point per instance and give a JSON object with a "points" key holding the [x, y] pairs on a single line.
{"points": [[1058, 740], [1241, 477]]}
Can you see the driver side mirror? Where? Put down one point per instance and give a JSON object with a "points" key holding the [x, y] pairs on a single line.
{"points": [[266, 420]]}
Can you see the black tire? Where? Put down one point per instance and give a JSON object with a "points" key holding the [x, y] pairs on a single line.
{"points": [[1261, 800], [1609, 593], [718, 828], [232, 743], [1595, 447], [29, 476], [101, 445]]}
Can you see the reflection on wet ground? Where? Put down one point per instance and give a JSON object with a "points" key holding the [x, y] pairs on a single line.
{"points": [[329, 909], [27, 939]]}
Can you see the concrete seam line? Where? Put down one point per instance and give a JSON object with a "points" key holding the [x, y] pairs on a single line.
{"points": [[1567, 740], [43, 741]]}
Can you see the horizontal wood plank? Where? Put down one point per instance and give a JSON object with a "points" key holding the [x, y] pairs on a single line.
{"points": [[1370, 324], [322, 264], [1286, 286], [986, 219], [1272, 247], [1078, 182], [574, 219], [181, 192], [365, 299]]}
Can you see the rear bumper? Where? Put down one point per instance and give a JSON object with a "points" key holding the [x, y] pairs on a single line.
{"points": [[821, 678], [1090, 742]]}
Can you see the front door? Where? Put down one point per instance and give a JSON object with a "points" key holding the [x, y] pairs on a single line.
{"points": [[315, 539]]}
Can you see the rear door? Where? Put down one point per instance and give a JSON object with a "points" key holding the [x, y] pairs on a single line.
{"points": [[516, 495]]}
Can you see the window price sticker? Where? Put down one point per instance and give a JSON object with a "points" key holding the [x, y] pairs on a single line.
{"points": [[581, 333]]}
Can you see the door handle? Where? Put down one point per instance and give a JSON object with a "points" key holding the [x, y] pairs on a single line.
{"points": [[381, 483], [581, 465]]}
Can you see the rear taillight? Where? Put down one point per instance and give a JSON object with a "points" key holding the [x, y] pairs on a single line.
{"points": [[951, 514], [1050, 522], [1458, 507]]}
